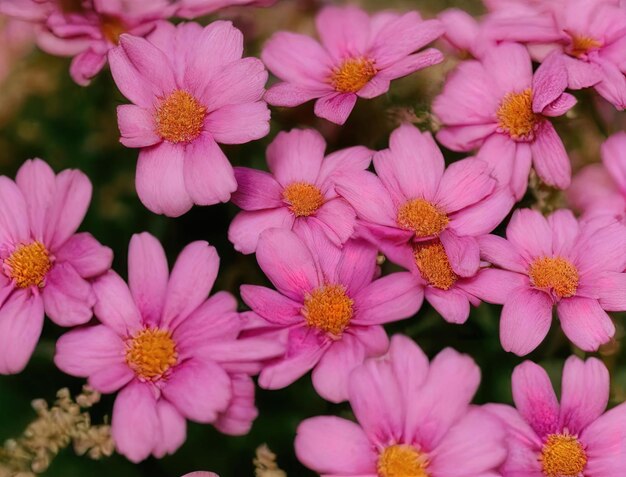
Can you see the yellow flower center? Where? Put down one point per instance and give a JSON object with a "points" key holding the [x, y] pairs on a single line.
{"points": [[581, 45], [432, 262], [303, 198], [516, 117], [112, 27], [151, 353], [422, 217], [180, 117], [402, 461], [556, 273], [562, 456], [29, 264], [352, 75], [328, 308]]}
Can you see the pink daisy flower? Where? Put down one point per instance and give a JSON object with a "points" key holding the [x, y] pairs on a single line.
{"points": [[329, 307], [172, 353], [299, 192], [190, 89], [414, 418], [572, 438], [47, 267], [589, 36], [599, 190], [358, 56], [498, 105], [558, 262], [196, 8]]}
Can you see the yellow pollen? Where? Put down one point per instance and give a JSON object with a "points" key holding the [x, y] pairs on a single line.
{"points": [[112, 27], [303, 198], [581, 45], [329, 309], [556, 273], [422, 217], [179, 117], [432, 262], [151, 353], [562, 456], [516, 117], [352, 75], [29, 264], [402, 461]]}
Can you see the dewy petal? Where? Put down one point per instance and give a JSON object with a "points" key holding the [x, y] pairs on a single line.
{"points": [[534, 398], [335, 107], [245, 229], [525, 321], [585, 323], [550, 158], [296, 156], [37, 181]]}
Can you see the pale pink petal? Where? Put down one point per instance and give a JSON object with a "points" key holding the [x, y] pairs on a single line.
{"points": [[271, 305], [525, 321], [612, 291], [550, 158], [463, 253], [137, 126], [453, 305], [493, 285], [256, 190], [296, 156], [408, 65], [464, 183], [218, 44], [37, 182], [21, 321], [501, 252], [245, 229], [534, 398], [581, 74], [241, 412], [290, 95], [366, 193], [172, 430], [115, 306], [484, 216], [528, 231], [466, 138], [510, 67], [86, 255], [335, 107], [344, 31], [605, 443], [585, 323], [68, 298]]}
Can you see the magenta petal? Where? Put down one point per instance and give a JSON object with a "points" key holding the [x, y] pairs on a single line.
{"points": [[344, 162], [464, 183], [115, 306], [484, 216], [245, 229], [585, 323], [112, 378], [68, 298], [256, 190], [501, 252], [493, 285], [613, 85], [271, 305], [560, 106], [86, 255], [529, 233], [463, 253], [525, 321], [549, 82], [296, 156], [336, 218], [453, 305], [550, 158], [21, 321], [86, 65], [410, 64], [366, 193], [173, 430], [137, 126], [241, 413], [335, 107], [37, 181]]}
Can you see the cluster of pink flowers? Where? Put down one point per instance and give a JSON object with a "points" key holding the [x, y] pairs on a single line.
{"points": [[317, 223]]}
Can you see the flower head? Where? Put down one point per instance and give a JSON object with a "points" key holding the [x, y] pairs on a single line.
{"points": [[190, 89], [46, 267], [413, 419], [558, 262], [328, 306], [299, 192], [358, 56], [498, 105], [568, 439], [172, 353]]}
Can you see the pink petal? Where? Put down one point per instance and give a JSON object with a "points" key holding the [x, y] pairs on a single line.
{"points": [[86, 255], [173, 430], [581, 74], [296, 156], [528, 231], [549, 82], [605, 449], [560, 106], [148, 274], [521, 170], [332, 445], [534, 398], [218, 44], [614, 158], [209, 177], [135, 422], [160, 181], [336, 218], [501, 252], [493, 285], [21, 321], [374, 87], [256, 190], [464, 183], [484, 216], [462, 29], [410, 64], [86, 65], [550, 158], [453, 305], [612, 291], [585, 323], [137, 126], [463, 253], [409, 361], [290, 95], [510, 67], [271, 305], [344, 31], [335, 107], [37, 181], [115, 306], [68, 298], [613, 85], [565, 231], [245, 229], [525, 321], [466, 138], [241, 413], [366, 193]]}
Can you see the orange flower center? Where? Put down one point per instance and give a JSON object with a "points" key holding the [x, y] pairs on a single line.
{"points": [[112, 27], [581, 45], [179, 117], [516, 117], [557, 273], [402, 461], [433, 264], [151, 353], [562, 455], [352, 75], [328, 308], [422, 217], [29, 264], [303, 198]]}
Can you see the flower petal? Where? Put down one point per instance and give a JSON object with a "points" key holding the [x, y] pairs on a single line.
{"points": [[21, 321], [525, 321], [585, 323]]}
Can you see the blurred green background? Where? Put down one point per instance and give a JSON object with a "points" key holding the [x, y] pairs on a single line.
{"points": [[44, 114]]}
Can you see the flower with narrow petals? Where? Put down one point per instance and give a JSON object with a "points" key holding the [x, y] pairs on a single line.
{"points": [[299, 192], [358, 56], [46, 266], [328, 305], [190, 90], [558, 262], [498, 105], [572, 438], [599, 190], [172, 353], [425, 217], [414, 419]]}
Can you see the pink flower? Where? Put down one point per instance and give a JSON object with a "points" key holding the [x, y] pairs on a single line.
{"points": [[191, 89], [329, 306], [499, 106], [359, 55], [426, 218], [46, 266], [599, 190], [196, 8], [298, 193], [414, 418], [573, 438], [589, 36], [558, 262], [464, 33], [174, 354]]}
